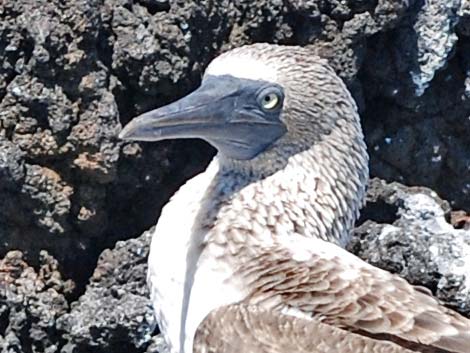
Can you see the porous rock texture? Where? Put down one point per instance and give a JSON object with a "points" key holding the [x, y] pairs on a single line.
{"points": [[71, 73], [114, 314], [30, 303]]}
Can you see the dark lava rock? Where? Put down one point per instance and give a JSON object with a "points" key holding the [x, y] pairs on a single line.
{"points": [[68, 182], [114, 314], [30, 303]]}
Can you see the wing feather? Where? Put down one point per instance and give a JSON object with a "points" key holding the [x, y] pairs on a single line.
{"points": [[252, 329], [347, 292]]}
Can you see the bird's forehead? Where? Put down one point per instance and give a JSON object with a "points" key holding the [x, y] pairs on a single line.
{"points": [[243, 66]]}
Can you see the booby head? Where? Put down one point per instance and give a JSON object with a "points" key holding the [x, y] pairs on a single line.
{"points": [[254, 103]]}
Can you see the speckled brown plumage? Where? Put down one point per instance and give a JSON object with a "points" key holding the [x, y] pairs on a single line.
{"points": [[334, 286], [252, 329]]}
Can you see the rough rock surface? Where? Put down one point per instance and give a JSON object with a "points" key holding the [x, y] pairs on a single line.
{"points": [[69, 184], [30, 304], [114, 314], [71, 73]]}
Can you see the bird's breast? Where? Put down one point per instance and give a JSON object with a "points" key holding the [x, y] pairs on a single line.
{"points": [[187, 279], [183, 296]]}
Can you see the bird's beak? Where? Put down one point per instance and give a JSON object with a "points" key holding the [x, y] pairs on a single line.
{"points": [[215, 112], [198, 115]]}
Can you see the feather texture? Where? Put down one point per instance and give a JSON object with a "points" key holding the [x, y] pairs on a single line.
{"points": [[347, 292], [253, 329]]}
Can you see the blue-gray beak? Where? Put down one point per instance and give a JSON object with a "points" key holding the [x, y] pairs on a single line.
{"points": [[239, 117]]}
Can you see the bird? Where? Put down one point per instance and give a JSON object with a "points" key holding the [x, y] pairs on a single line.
{"points": [[265, 225]]}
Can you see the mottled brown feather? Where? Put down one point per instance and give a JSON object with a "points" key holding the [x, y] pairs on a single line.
{"points": [[366, 299], [252, 329]]}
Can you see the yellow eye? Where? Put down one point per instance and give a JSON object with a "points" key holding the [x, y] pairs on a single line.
{"points": [[270, 101]]}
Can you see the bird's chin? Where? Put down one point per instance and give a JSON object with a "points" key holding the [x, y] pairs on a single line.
{"points": [[237, 150], [247, 145]]}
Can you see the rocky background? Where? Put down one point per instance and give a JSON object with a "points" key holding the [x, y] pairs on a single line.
{"points": [[72, 73]]}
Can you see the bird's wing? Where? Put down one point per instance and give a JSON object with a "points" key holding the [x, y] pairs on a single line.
{"points": [[253, 329], [319, 279]]}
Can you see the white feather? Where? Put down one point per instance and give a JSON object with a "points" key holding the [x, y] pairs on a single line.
{"points": [[173, 255]]}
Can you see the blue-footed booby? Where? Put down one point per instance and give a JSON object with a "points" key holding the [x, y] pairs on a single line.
{"points": [[264, 226]]}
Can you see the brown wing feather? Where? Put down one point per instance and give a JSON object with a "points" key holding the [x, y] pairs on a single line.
{"points": [[252, 329], [347, 292]]}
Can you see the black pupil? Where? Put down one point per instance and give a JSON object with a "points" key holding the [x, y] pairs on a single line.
{"points": [[267, 98]]}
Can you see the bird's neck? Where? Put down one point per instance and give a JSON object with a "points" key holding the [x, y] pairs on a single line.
{"points": [[317, 193]]}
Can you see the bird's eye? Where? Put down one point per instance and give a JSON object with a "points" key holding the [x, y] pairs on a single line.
{"points": [[270, 100]]}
